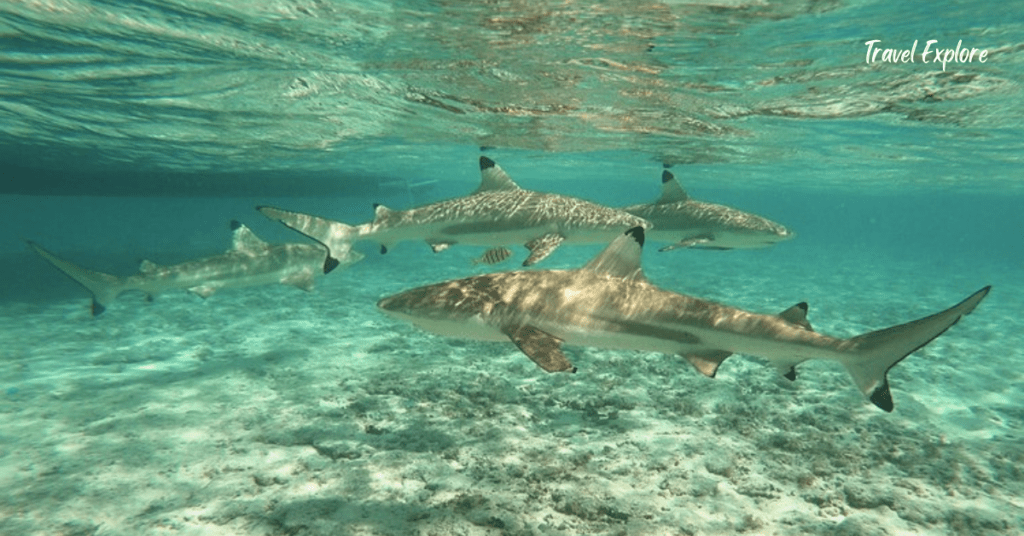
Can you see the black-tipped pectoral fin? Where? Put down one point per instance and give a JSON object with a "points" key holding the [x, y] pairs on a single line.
{"points": [[707, 363], [543, 348], [303, 280], [787, 367]]}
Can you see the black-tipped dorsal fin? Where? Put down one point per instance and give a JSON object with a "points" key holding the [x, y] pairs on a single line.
{"points": [[493, 178], [244, 239], [622, 257], [671, 191], [797, 314]]}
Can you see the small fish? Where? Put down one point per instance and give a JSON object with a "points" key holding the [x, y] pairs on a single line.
{"points": [[493, 256]]}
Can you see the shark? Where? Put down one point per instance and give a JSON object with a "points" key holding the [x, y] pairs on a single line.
{"points": [[688, 223], [499, 213], [249, 262], [609, 303]]}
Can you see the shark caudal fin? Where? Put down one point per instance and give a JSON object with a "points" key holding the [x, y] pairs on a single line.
{"points": [[337, 237], [883, 349], [104, 287]]}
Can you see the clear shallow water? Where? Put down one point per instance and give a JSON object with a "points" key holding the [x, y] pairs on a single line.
{"points": [[301, 87], [138, 130]]}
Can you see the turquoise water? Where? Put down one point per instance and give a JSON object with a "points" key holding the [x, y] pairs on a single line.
{"points": [[138, 130]]}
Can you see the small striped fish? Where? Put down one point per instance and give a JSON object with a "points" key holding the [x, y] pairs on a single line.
{"points": [[493, 256]]}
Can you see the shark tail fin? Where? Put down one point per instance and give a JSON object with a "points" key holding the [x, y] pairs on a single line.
{"points": [[883, 349], [337, 237], [104, 287]]}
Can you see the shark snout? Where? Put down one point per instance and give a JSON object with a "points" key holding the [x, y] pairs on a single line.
{"points": [[388, 304], [783, 234]]}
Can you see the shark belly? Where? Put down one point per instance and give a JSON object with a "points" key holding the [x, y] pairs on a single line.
{"points": [[674, 324], [205, 280], [478, 233], [475, 327]]}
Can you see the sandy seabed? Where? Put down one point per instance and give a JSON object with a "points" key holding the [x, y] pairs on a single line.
{"points": [[270, 411]]}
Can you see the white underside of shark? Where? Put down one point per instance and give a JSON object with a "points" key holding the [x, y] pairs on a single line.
{"points": [[499, 213], [250, 262], [688, 223], [610, 304]]}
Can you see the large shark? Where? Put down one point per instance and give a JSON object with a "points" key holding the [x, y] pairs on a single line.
{"points": [[688, 223], [610, 304], [249, 262], [499, 213]]}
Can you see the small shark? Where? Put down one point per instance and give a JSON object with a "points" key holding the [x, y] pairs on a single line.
{"points": [[694, 224], [498, 213], [610, 304], [249, 262]]}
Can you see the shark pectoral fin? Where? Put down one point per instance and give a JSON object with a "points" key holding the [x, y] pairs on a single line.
{"points": [[302, 280], [541, 247], [689, 242], [787, 367], [707, 363], [204, 291], [543, 348]]}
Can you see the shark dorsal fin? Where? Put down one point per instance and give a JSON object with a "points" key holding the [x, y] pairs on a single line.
{"points": [[380, 211], [244, 239], [493, 178], [671, 191], [622, 257], [797, 314]]}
